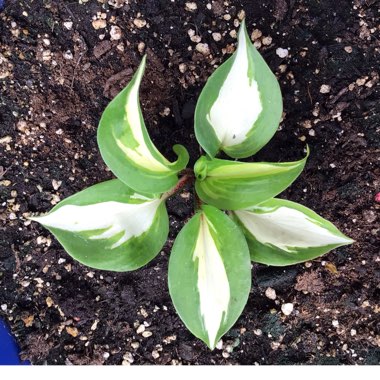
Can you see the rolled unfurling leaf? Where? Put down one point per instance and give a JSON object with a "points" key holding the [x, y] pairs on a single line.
{"points": [[209, 274], [127, 149], [281, 232], [233, 185], [109, 226], [240, 107]]}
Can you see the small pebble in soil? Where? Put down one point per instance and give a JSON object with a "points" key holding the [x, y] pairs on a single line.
{"points": [[258, 332], [99, 24], [256, 34], [182, 67], [135, 345], [94, 325], [155, 354], [73, 331], [115, 33], [169, 339], [266, 40], [325, 89], [139, 23], [147, 334], [4, 307], [353, 332], [128, 358], [165, 112], [144, 313], [68, 55], [68, 25], [335, 323], [195, 38], [361, 81], [203, 48], [348, 49], [191, 6], [287, 308], [282, 53], [140, 329], [49, 302], [219, 345], [270, 293], [117, 3], [229, 348], [233, 33], [216, 36], [141, 47], [56, 184]]}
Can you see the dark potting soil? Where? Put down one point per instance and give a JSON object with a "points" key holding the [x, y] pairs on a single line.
{"points": [[59, 67]]}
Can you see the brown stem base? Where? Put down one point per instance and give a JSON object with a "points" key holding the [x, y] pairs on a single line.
{"points": [[188, 177]]}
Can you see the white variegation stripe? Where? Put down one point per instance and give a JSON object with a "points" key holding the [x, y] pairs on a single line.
{"points": [[288, 229], [238, 104], [213, 285], [116, 217], [141, 154], [140, 196]]}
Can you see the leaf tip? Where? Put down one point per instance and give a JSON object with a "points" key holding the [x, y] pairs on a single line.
{"points": [[183, 157], [34, 218]]}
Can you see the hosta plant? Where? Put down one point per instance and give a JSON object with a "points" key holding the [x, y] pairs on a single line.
{"points": [[122, 224]]}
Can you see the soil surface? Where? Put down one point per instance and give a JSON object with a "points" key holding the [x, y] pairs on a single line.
{"points": [[61, 62]]}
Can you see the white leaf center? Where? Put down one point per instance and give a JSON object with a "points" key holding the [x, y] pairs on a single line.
{"points": [[238, 104], [213, 286], [287, 229], [131, 219]]}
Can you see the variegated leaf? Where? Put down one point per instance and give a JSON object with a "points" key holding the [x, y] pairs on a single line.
{"points": [[240, 107], [233, 185], [209, 274], [109, 226], [281, 232], [127, 149]]}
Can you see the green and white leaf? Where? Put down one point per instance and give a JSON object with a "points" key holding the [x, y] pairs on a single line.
{"points": [[127, 149], [232, 185], [281, 232], [109, 226], [240, 107], [209, 274]]}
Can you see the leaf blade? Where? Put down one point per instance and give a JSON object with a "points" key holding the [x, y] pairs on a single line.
{"points": [[108, 226], [209, 274], [126, 147], [231, 185], [240, 106], [297, 234]]}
